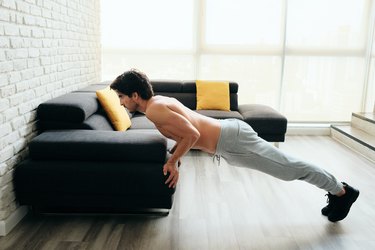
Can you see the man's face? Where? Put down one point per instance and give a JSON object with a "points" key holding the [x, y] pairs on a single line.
{"points": [[127, 102]]}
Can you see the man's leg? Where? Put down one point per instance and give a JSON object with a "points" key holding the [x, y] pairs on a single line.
{"points": [[249, 150]]}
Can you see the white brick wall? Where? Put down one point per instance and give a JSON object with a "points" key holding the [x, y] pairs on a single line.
{"points": [[47, 48]]}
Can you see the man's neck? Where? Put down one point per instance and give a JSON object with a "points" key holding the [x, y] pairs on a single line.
{"points": [[142, 105]]}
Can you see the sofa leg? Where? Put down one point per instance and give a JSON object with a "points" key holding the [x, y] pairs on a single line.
{"points": [[41, 210], [152, 212], [276, 144]]}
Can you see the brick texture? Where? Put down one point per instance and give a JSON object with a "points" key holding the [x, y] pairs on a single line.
{"points": [[47, 48]]}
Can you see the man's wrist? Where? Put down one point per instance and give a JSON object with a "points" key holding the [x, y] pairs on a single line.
{"points": [[172, 162]]}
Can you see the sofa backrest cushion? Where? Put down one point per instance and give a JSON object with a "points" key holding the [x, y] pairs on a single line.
{"points": [[94, 87], [72, 107], [186, 92], [97, 121], [82, 110], [167, 86], [77, 110]]}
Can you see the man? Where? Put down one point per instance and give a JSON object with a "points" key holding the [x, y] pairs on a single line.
{"points": [[232, 139]]}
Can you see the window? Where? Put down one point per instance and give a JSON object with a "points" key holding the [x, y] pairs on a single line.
{"points": [[246, 23], [147, 24], [325, 59], [308, 59], [258, 76], [322, 88], [321, 25], [154, 36]]}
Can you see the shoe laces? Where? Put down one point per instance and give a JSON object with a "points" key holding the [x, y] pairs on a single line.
{"points": [[330, 198]]}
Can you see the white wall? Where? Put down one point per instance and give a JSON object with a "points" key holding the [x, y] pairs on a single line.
{"points": [[47, 48]]}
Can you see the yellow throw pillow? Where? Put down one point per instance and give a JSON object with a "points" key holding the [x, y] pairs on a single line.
{"points": [[213, 95], [117, 114]]}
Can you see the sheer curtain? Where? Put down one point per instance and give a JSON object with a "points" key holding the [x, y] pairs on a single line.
{"points": [[310, 59]]}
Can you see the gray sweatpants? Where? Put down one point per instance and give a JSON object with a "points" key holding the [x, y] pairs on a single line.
{"points": [[240, 146]]}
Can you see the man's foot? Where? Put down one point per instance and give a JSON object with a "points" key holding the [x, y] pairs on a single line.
{"points": [[327, 209], [338, 207]]}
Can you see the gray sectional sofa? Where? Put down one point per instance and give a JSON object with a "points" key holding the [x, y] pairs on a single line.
{"points": [[79, 163]]}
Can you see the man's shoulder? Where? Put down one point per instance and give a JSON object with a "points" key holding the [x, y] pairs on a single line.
{"points": [[161, 99], [164, 102], [157, 102], [155, 107]]}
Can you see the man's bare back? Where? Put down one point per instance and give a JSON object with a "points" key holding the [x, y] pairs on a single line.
{"points": [[172, 118]]}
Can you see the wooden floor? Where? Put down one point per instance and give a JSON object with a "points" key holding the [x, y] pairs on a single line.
{"points": [[225, 207]]}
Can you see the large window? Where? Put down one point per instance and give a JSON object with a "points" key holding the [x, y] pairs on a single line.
{"points": [[313, 60], [243, 24], [147, 24]]}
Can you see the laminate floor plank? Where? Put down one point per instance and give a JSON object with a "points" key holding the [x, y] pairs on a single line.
{"points": [[218, 206]]}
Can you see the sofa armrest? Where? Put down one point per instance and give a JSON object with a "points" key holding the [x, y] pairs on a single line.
{"points": [[263, 119], [95, 145]]}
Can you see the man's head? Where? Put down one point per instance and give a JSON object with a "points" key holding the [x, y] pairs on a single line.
{"points": [[133, 81], [130, 86]]}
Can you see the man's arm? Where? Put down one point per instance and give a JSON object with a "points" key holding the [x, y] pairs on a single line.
{"points": [[174, 126], [178, 128], [173, 149]]}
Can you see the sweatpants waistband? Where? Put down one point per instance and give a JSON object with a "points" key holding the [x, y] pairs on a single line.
{"points": [[228, 133]]}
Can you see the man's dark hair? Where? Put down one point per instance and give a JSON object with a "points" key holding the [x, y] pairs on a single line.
{"points": [[133, 81]]}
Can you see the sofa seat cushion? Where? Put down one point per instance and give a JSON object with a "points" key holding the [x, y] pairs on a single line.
{"points": [[219, 114], [140, 121], [93, 145]]}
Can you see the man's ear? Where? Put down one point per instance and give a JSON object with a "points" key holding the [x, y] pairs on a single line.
{"points": [[134, 95]]}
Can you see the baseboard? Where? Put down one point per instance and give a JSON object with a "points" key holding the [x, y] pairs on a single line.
{"points": [[9, 223], [308, 129]]}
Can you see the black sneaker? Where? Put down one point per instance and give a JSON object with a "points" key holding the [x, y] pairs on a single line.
{"points": [[327, 209], [338, 207]]}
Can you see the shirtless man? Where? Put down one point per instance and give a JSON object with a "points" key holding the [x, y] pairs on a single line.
{"points": [[232, 139]]}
